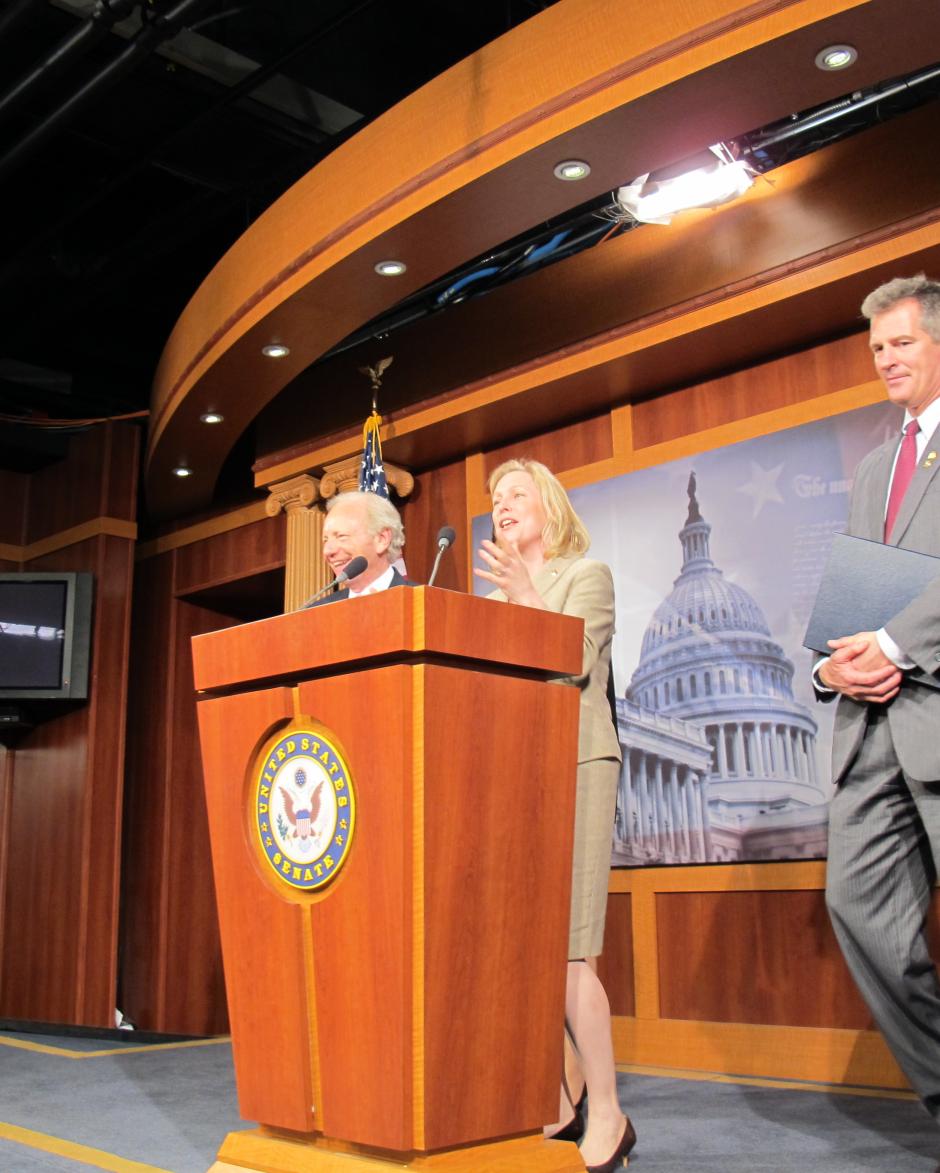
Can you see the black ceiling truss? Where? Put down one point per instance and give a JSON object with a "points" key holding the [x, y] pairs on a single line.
{"points": [[129, 165]]}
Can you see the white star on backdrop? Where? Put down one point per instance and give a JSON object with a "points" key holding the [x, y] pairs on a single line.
{"points": [[762, 486]]}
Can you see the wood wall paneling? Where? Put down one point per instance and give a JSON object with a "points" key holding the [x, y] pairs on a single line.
{"points": [[14, 493], [232, 554], [150, 738], [101, 471], [105, 781], [561, 449], [64, 826], [760, 957], [709, 337], [41, 955], [194, 998], [6, 799], [171, 963], [615, 965], [765, 387], [171, 970], [439, 498]]}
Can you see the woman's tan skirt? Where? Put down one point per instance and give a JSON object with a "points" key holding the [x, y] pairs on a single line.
{"points": [[593, 830]]}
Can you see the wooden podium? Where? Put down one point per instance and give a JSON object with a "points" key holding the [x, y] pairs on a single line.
{"points": [[404, 1008]]}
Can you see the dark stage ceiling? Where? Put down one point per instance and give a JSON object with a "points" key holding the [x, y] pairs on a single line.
{"points": [[139, 140]]}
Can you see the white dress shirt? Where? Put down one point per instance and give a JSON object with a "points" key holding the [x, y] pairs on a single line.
{"points": [[382, 583]]}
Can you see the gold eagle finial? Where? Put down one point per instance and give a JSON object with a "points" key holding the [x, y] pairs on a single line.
{"points": [[375, 374]]}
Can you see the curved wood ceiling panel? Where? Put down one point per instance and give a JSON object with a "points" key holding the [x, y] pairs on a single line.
{"points": [[463, 164]]}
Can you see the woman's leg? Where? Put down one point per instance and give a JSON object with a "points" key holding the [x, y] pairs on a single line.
{"points": [[572, 1088], [587, 1012]]}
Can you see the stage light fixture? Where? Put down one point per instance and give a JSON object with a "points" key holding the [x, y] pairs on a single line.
{"points": [[707, 180]]}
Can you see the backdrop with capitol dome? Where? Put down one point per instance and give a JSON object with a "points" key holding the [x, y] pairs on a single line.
{"points": [[716, 560]]}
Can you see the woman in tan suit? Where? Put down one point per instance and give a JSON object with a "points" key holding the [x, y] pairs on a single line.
{"points": [[537, 560]]}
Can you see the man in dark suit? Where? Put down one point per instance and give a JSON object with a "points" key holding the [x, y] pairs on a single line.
{"points": [[362, 525], [884, 820]]}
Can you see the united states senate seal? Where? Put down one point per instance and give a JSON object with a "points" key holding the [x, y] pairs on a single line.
{"points": [[304, 808]]}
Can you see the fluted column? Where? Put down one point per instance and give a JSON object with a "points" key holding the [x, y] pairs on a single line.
{"points": [[706, 822], [695, 787], [645, 831], [811, 758], [689, 814], [683, 839], [659, 805], [739, 757], [626, 799], [757, 752], [304, 571], [675, 815], [767, 736], [787, 751], [722, 753]]}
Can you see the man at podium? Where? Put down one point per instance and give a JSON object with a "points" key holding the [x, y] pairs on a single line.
{"points": [[362, 527]]}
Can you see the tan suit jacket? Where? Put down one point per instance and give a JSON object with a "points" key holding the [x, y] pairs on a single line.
{"points": [[584, 587]]}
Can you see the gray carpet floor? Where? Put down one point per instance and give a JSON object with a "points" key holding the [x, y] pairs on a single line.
{"points": [[68, 1104]]}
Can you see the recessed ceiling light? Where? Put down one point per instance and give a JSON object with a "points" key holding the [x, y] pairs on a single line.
{"points": [[390, 268], [212, 417], [836, 57], [275, 350], [182, 470], [572, 169]]}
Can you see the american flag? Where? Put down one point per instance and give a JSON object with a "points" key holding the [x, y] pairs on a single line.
{"points": [[371, 471]]}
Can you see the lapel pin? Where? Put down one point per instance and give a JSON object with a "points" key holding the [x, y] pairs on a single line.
{"points": [[930, 458]]}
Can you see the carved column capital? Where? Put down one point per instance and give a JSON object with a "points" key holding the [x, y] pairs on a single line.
{"points": [[298, 492], [343, 477]]}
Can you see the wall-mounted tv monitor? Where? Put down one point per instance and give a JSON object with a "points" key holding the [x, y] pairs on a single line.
{"points": [[45, 635]]}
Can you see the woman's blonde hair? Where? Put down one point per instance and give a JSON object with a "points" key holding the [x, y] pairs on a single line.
{"points": [[564, 532]]}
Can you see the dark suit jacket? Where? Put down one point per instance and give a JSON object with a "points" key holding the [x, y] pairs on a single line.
{"points": [[914, 714], [343, 593]]}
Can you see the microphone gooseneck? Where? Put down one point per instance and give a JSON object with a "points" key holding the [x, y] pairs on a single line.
{"points": [[446, 536], [353, 568]]}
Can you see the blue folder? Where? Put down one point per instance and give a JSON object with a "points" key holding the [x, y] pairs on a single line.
{"points": [[863, 585]]}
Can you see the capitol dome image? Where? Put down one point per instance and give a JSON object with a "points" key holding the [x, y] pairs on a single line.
{"points": [[719, 758]]}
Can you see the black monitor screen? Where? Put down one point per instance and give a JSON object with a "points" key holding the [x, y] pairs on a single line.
{"points": [[32, 635]]}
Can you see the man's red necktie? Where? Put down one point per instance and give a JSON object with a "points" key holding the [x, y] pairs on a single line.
{"points": [[903, 471]]}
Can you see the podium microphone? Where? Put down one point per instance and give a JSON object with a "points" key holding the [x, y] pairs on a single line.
{"points": [[445, 539], [353, 568]]}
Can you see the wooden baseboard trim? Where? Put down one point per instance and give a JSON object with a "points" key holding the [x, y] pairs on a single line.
{"points": [[853, 1058]]}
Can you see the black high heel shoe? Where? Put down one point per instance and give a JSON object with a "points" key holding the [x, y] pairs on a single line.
{"points": [[620, 1153], [573, 1130]]}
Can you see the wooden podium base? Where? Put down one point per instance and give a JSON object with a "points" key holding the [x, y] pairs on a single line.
{"points": [[256, 1151]]}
